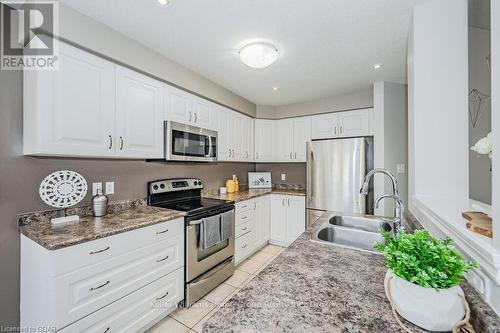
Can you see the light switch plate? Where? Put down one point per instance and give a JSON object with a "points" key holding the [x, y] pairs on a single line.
{"points": [[401, 168], [283, 176], [110, 187], [95, 187]]}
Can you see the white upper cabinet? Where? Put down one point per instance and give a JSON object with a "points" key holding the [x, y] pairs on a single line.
{"points": [[325, 126], [301, 135], [264, 140], [283, 140], [139, 116], [248, 133], [233, 135], [355, 123], [186, 108], [224, 152], [71, 111]]}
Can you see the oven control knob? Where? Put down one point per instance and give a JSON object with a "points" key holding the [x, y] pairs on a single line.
{"points": [[162, 186], [155, 187], [199, 182]]}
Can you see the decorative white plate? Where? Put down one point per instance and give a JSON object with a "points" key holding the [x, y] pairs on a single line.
{"points": [[63, 189]]}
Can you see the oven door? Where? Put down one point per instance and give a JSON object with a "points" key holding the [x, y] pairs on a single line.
{"points": [[200, 261], [188, 143]]}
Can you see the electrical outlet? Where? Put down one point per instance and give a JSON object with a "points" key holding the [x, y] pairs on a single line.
{"points": [[95, 187], [110, 187], [401, 168], [283, 176]]}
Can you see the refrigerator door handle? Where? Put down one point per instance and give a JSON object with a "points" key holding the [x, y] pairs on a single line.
{"points": [[310, 161]]}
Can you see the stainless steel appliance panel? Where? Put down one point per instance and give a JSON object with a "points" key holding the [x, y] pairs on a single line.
{"points": [[335, 172], [189, 143]]}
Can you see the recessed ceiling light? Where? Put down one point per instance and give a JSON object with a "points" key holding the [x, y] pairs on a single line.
{"points": [[275, 88], [377, 66], [163, 3], [258, 55]]}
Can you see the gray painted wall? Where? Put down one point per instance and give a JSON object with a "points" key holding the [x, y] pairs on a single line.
{"points": [[295, 172], [356, 100], [82, 30], [480, 79]]}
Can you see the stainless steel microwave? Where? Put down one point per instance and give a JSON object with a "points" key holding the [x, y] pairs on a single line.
{"points": [[189, 143]]}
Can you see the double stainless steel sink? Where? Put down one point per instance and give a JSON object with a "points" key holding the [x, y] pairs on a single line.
{"points": [[353, 231]]}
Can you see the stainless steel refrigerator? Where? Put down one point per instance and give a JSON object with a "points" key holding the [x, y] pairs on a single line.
{"points": [[336, 171]]}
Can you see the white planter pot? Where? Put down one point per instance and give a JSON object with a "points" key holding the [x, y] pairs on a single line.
{"points": [[425, 307]]}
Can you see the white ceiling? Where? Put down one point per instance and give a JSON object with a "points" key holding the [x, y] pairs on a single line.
{"points": [[327, 47]]}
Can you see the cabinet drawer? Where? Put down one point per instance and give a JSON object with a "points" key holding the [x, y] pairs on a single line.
{"points": [[243, 228], [244, 245], [88, 289], [75, 257], [244, 206], [137, 311], [244, 217]]}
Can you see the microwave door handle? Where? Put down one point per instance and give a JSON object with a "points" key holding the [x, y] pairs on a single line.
{"points": [[209, 146]]}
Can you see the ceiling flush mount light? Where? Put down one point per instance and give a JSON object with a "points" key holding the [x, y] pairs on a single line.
{"points": [[258, 55], [163, 3], [377, 66], [275, 88]]}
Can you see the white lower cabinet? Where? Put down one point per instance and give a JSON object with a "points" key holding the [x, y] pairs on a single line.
{"points": [[108, 280], [287, 218]]}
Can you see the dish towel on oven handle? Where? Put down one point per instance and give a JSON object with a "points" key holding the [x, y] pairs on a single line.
{"points": [[210, 232], [226, 225]]}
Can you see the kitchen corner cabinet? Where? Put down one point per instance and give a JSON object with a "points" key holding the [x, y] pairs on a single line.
{"points": [[264, 140], [287, 218], [91, 107], [235, 136]]}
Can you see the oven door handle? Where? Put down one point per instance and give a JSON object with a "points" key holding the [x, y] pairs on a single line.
{"points": [[215, 271], [196, 222]]}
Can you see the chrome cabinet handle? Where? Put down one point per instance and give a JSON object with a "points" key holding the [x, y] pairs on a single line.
{"points": [[254, 205], [283, 201], [100, 251], [244, 206], [102, 285], [244, 217], [341, 130], [162, 297], [195, 117], [335, 130], [288, 202], [110, 141], [244, 246], [162, 259], [107, 329], [295, 155], [161, 232], [245, 228], [121, 143], [190, 116], [291, 155]]}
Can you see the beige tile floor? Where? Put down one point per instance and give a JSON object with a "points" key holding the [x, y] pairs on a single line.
{"points": [[192, 319]]}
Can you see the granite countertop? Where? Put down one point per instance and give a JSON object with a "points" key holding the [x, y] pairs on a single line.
{"points": [[38, 228], [247, 194], [312, 287]]}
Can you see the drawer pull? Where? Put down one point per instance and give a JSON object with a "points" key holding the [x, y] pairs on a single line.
{"points": [[102, 285], [244, 206], [244, 246], [162, 259], [162, 297], [245, 228], [100, 251], [107, 329], [161, 232], [244, 217]]}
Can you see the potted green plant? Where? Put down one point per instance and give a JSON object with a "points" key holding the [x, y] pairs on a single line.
{"points": [[423, 277]]}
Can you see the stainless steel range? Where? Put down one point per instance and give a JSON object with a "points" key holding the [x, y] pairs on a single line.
{"points": [[208, 260]]}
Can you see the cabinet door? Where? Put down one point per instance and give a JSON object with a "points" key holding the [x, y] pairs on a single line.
{"points": [[283, 140], [278, 220], [177, 104], [325, 126], [263, 140], [263, 218], [301, 135], [248, 139], [202, 113], [223, 146], [236, 142], [295, 217], [71, 111], [354, 123], [139, 117]]}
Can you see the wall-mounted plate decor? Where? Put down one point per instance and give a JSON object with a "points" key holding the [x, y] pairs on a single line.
{"points": [[63, 189]]}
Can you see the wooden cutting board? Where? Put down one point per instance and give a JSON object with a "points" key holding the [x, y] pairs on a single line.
{"points": [[479, 223]]}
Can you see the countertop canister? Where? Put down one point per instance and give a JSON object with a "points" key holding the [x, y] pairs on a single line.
{"points": [[100, 204]]}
